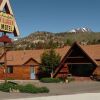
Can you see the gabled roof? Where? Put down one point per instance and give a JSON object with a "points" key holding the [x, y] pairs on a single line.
{"points": [[6, 4], [86, 49], [31, 59], [92, 52], [22, 56]]}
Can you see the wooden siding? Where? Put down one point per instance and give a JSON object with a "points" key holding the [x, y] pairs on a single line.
{"points": [[1, 72], [97, 71], [75, 55], [63, 72], [21, 72]]}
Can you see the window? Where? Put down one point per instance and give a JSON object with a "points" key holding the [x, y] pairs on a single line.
{"points": [[10, 69]]}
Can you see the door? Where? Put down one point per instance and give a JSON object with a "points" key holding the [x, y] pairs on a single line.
{"points": [[32, 73]]}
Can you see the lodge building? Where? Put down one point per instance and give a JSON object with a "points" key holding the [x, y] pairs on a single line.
{"points": [[24, 64], [78, 60]]}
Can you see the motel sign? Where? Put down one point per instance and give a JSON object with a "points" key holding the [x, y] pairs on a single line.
{"points": [[6, 23]]}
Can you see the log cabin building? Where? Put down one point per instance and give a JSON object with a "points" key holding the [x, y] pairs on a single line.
{"points": [[20, 65], [24, 64], [78, 60]]}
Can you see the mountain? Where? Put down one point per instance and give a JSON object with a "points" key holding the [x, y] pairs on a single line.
{"points": [[83, 29], [40, 40], [35, 40]]}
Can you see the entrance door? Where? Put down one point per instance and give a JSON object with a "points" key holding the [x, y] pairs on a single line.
{"points": [[32, 73], [84, 70]]}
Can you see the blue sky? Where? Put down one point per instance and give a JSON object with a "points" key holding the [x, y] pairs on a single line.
{"points": [[56, 15]]}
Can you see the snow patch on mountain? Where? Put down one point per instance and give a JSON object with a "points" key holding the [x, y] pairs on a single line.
{"points": [[83, 29]]}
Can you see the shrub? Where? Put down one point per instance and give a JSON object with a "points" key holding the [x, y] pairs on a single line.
{"points": [[26, 89], [6, 86], [29, 88], [43, 90], [50, 80], [12, 83]]}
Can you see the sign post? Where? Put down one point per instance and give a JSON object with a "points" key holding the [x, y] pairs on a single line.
{"points": [[5, 61], [7, 25]]}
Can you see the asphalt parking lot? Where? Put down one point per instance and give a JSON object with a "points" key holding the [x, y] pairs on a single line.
{"points": [[58, 89], [84, 96]]}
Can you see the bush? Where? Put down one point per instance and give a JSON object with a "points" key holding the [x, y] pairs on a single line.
{"points": [[12, 83], [29, 88], [6, 86], [50, 80], [43, 90]]}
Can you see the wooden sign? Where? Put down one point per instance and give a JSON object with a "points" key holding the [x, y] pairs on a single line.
{"points": [[7, 20]]}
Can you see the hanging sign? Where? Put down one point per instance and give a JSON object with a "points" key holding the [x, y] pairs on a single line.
{"points": [[6, 22]]}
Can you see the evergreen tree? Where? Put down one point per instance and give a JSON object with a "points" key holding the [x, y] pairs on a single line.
{"points": [[50, 60]]}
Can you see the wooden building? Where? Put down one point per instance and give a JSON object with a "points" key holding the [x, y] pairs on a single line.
{"points": [[21, 65], [80, 60], [24, 64]]}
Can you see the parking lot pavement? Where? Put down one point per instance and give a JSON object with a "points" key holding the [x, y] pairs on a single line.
{"points": [[56, 89], [85, 96]]}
